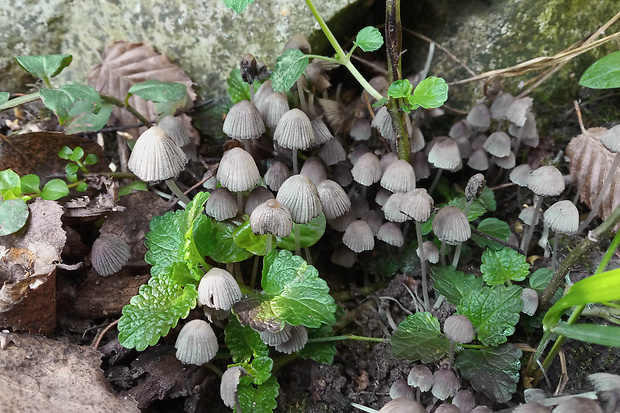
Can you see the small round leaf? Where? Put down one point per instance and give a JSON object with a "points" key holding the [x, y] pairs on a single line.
{"points": [[82, 186], [65, 152], [77, 154], [90, 159], [55, 189], [30, 184], [71, 168], [13, 216]]}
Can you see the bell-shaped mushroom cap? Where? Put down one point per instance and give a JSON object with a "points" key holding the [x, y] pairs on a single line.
{"points": [[578, 405], [317, 74], [517, 112], [501, 106], [257, 196], [507, 162], [273, 108], [273, 338], [155, 156], [604, 381], [528, 133], [546, 181], [229, 384], [342, 222], [611, 139], [264, 91], [109, 255], [175, 128], [298, 41], [237, 170], [445, 154], [451, 225], [460, 129], [421, 167], [334, 199], [562, 217], [294, 131], [431, 252], [391, 234], [336, 115], [482, 409], [367, 169], [421, 377], [498, 144], [243, 121], [530, 301], [332, 152], [343, 256], [374, 219], [479, 117], [521, 174], [273, 218], [221, 204], [301, 197], [400, 388], [297, 341], [464, 147], [275, 176], [447, 408], [382, 196], [458, 329], [321, 131], [445, 384], [416, 140], [360, 130], [479, 160], [391, 208], [530, 408], [402, 405], [358, 150], [358, 236], [417, 204], [341, 173], [196, 343], [314, 169], [478, 142], [527, 215], [218, 289], [475, 186], [399, 177], [387, 160], [464, 400]]}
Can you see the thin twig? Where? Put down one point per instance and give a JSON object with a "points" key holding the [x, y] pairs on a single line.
{"points": [[499, 241], [105, 330], [583, 129]]}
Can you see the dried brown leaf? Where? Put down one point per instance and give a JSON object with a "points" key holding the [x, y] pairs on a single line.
{"points": [[590, 162]]}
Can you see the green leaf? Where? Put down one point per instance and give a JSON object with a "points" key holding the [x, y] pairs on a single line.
{"points": [[493, 371], [62, 100], [321, 352], [4, 97], [13, 216], [30, 184], [608, 336], [419, 338], [487, 199], [84, 119], [72, 178], [494, 227], [243, 342], [215, 239], [134, 186], [71, 168], [430, 93], [400, 89], [9, 181], [540, 279], [44, 67], [65, 152], [238, 6], [237, 88], [245, 238], [90, 159], [453, 284], [257, 399], [289, 66], [158, 91], [154, 311], [260, 369], [503, 265], [409, 260], [603, 74], [77, 154], [82, 186], [309, 234], [54, 189], [369, 39], [493, 311], [476, 210]]}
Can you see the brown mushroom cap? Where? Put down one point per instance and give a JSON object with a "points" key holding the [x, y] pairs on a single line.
{"points": [[451, 225]]}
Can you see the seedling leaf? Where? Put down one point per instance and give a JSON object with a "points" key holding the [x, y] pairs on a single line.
{"points": [[77, 154], [453, 284], [215, 239], [494, 227], [418, 338], [13, 216], [44, 67], [84, 118], [289, 66], [82, 186], [257, 399], [309, 234], [62, 100], [430, 93], [30, 184], [158, 91], [243, 342], [603, 74], [400, 89], [503, 265], [90, 159], [245, 238], [54, 189], [65, 152], [9, 181], [369, 39], [238, 6]]}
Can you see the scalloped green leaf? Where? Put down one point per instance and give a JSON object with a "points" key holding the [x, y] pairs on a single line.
{"points": [[492, 371], [62, 100], [431, 92], [238, 90], [476, 210], [494, 312], [154, 311], [453, 284], [54, 189], [13, 216], [289, 66], [603, 74], [257, 399], [309, 234], [238, 5], [86, 118], [321, 352], [487, 199], [243, 342], [215, 239], [400, 89], [503, 265], [494, 227], [419, 338], [158, 91], [540, 279], [369, 39], [44, 67]]}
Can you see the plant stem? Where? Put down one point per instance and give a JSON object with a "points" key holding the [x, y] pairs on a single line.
{"points": [[20, 101], [525, 242], [346, 337], [118, 103], [177, 192], [422, 255]]}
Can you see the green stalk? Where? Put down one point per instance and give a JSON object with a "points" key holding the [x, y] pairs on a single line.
{"points": [[20, 101], [118, 103], [346, 337]]}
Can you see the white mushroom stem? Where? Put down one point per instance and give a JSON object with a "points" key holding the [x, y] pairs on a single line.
{"points": [[554, 258], [240, 201], [435, 181], [525, 242], [364, 408], [177, 192], [610, 176], [457, 254], [295, 168], [251, 92], [442, 252], [268, 242], [302, 100], [544, 241], [418, 230]]}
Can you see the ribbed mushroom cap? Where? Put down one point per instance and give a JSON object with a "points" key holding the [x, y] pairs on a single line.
{"points": [[109, 255], [507, 162], [314, 169], [297, 341], [464, 147], [341, 173], [400, 388], [479, 117], [464, 400], [391, 208], [518, 111], [273, 338], [273, 218], [294, 131], [460, 129], [383, 123], [237, 171], [431, 252], [332, 152], [374, 219], [501, 106], [257, 196], [479, 160], [475, 186], [342, 222], [459, 329], [317, 74], [336, 115], [196, 343], [391, 234], [382, 196], [218, 289], [221, 204], [358, 236], [521, 174], [264, 91], [243, 121], [343, 256], [359, 206], [298, 41], [273, 108], [498, 144], [562, 217], [420, 377], [478, 142], [611, 139], [451, 225], [528, 133], [416, 140], [229, 384], [445, 154], [301, 197], [175, 128], [387, 160], [447, 408], [398, 177], [421, 167], [321, 131], [578, 405], [367, 169], [360, 130], [546, 181], [445, 384], [402, 405], [530, 301], [213, 314], [334, 199], [527, 215], [275, 176], [155, 156], [482, 409], [358, 150], [417, 204]]}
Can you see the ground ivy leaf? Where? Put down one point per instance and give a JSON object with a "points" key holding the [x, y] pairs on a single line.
{"points": [[44, 67], [369, 39], [430, 93], [13, 216], [289, 66], [238, 5], [158, 91], [493, 311], [243, 342], [503, 265], [487, 199], [476, 210], [540, 279], [309, 234], [494, 227], [400, 89], [237, 88], [215, 239], [257, 399], [493, 371], [419, 338], [154, 311], [603, 74], [245, 238], [84, 118], [260, 369], [453, 284], [321, 352]]}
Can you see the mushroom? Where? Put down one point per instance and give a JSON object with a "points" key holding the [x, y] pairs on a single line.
{"points": [[391, 234], [421, 378], [445, 384], [271, 218], [297, 341], [275, 176], [400, 388], [332, 152], [221, 204], [451, 226], [358, 237], [218, 289], [294, 131], [398, 177], [343, 256], [458, 329], [561, 217], [334, 199], [238, 172], [244, 122], [444, 155], [228, 386], [109, 255], [196, 343]]}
